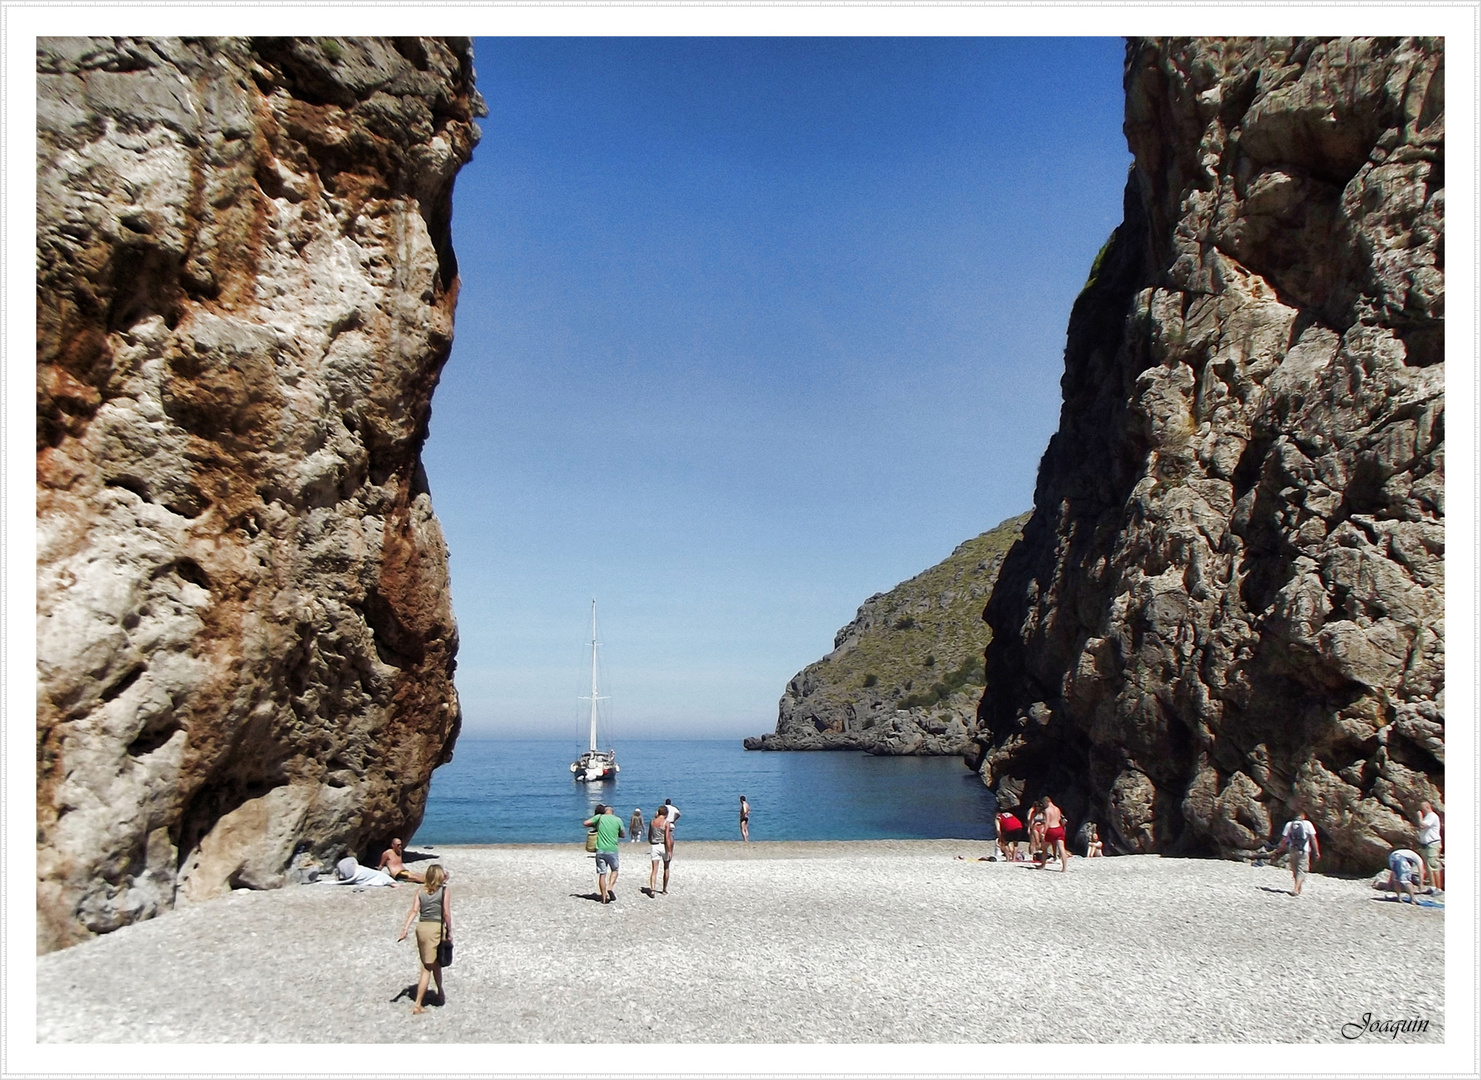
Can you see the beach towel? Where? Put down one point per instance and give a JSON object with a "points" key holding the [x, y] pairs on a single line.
{"points": [[349, 872]]}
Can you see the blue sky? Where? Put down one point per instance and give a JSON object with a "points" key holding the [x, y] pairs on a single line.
{"points": [[749, 330]]}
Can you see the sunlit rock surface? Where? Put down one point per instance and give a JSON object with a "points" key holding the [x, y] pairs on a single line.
{"points": [[245, 295], [1229, 601]]}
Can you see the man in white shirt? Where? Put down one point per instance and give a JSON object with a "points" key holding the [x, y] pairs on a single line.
{"points": [[1299, 838], [1429, 843]]}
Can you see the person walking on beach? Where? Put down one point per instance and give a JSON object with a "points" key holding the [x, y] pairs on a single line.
{"points": [[1010, 834], [658, 841], [745, 812], [391, 863], [1053, 841], [432, 911], [1299, 838], [635, 825], [1429, 843], [1405, 868], [609, 831], [673, 812]]}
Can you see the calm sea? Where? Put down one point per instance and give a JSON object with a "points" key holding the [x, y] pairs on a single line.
{"points": [[498, 791]]}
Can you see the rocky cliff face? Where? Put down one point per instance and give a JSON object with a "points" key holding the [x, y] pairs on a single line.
{"points": [[1229, 601], [245, 295], [905, 676]]}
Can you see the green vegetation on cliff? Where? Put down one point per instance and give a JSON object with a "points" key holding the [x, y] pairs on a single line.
{"points": [[923, 640], [905, 676]]}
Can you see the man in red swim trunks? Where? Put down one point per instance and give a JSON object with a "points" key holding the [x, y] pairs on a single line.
{"points": [[1010, 834], [1053, 836]]}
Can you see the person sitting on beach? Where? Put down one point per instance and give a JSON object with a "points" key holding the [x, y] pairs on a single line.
{"points": [[1429, 844], [609, 830], [1093, 847], [349, 872], [391, 863], [431, 910], [635, 825], [1405, 867], [1053, 843], [745, 817], [658, 842], [1011, 833], [1299, 838]]}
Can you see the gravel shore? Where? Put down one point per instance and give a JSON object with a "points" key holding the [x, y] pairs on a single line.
{"points": [[871, 941]]}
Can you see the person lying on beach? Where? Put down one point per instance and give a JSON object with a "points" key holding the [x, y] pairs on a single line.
{"points": [[609, 830], [1011, 833], [349, 872], [432, 911], [1405, 867], [1053, 842], [658, 842], [391, 863]]}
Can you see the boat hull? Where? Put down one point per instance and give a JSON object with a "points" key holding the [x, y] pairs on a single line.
{"points": [[592, 767]]}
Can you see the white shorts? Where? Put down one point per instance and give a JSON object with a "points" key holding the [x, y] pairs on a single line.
{"points": [[655, 853]]}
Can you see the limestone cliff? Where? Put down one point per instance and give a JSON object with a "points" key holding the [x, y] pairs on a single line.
{"points": [[244, 298], [1229, 601], [905, 676]]}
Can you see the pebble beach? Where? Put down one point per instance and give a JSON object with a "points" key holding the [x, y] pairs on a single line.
{"points": [[783, 942]]}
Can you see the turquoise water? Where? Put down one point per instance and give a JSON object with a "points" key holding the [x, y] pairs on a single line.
{"points": [[498, 791]]}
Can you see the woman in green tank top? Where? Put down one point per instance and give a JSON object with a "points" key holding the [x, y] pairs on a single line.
{"points": [[432, 911]]}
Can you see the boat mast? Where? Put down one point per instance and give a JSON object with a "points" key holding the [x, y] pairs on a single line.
{"points": [[593, 675]]}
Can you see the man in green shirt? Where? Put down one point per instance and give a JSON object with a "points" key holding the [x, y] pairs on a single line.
{"points": [[609, 831]]}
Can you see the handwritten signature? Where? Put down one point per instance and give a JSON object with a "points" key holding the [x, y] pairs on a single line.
{"points": [[1392, 1028]]}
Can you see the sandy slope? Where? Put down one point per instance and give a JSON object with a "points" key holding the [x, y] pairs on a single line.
{"points": [[772, 942]]}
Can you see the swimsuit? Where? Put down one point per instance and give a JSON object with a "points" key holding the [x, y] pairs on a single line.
{"points": [[1056, 833]]}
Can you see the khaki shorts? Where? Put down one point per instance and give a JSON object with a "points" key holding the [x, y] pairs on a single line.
{"points": [[1431, 853], [429, 934], [1300, 862]]}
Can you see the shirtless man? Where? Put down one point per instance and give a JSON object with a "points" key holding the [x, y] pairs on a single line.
{"points": [[659, 836], [1053, 836], [391, 863]]}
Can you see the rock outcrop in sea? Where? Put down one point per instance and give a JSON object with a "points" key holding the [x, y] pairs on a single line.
{"points": [[906, 675], [245, 296], [1229, 600]]}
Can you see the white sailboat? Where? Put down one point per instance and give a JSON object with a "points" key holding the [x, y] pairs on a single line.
{"points": [[595, 764]]}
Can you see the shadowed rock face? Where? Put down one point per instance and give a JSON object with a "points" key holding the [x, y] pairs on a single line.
{"points": [[1229, 600], [245, 295]]}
